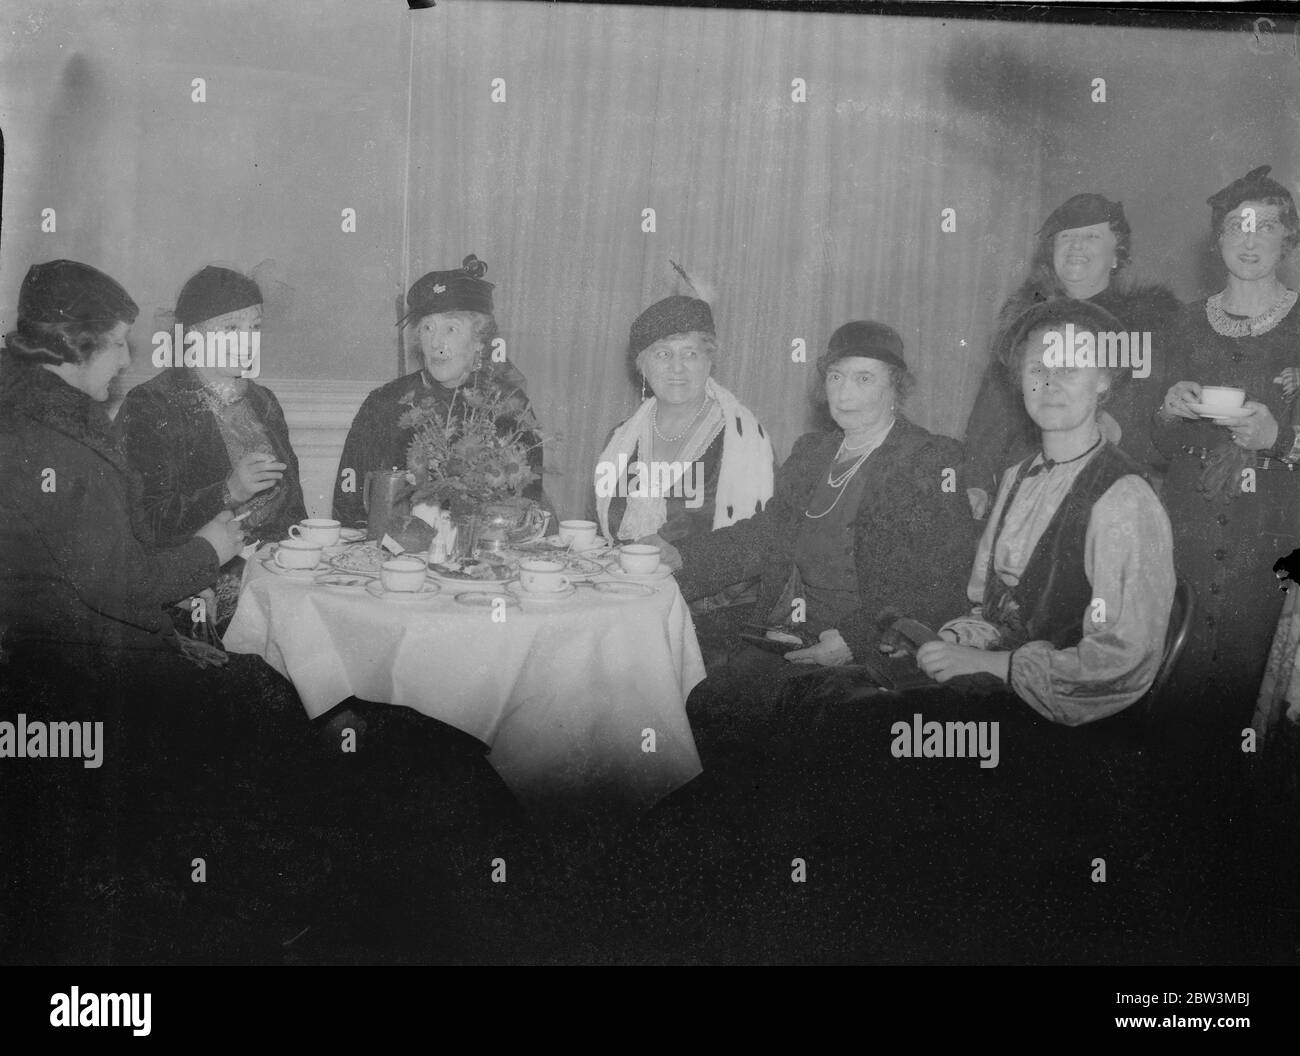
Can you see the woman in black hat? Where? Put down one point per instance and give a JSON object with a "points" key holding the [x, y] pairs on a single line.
{"points": [[1230, 490], [450, 314], [688, 419], [85, 636], [207, 437], [1081, 249], [866, 518]]}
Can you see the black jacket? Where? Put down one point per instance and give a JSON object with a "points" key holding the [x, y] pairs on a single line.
{"points": [[78, 562], [174, 443], [914, 538]]}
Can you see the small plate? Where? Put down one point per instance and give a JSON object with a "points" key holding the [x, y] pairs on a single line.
{"points": [[1221, 414], [352, 535], [428, 590], [555, 595], [660, 573], [343, 580], [598, 547], [485, 599], [358, 561], [269, 564], [624, 590], [460, 578], [580, 568]]}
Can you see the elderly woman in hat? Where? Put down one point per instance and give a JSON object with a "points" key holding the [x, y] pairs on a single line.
{"points": [[1081, 250], [206, 437], [451, 318], [688, 421], [865, 519], [1230, 490]]}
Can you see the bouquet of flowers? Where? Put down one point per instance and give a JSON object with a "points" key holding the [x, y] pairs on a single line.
{"points": [[475, 450]]}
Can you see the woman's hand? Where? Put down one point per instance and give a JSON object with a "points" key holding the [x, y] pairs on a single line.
{"points": [[1177, 399], [979, 502], [1289, 379], [224, 534], [255, 472], [942, 661], [830, 651], [1257, 431]]}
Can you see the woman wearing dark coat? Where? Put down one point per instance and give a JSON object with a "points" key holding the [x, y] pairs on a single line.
{"points": [[1081, 249], [1232, 493], [205, 439], [866, 519], [451, 314]]}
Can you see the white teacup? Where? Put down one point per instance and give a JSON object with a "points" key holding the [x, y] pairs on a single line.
{"points": [[539, 576], [297, 553], [317, 530], [639, 559], [581, 535], [1222, 397], [402, 574]]}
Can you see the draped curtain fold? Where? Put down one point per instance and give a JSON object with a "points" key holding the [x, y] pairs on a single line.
{"points": [[802, 215]]}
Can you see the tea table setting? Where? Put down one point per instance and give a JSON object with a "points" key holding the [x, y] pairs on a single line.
{"points": [[571, 659]]}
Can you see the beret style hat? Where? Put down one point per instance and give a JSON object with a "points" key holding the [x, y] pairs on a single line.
{"points": [[1084, 210], [1083, 314], [214, 291], [66, 291], [461, 290], [1255, 185], [868, 339], [678, 314]]}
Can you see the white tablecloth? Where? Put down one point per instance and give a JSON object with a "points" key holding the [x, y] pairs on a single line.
{"points": [[563, 695]]}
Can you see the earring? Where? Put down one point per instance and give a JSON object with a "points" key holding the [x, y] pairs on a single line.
{"points": [[643, 388]]}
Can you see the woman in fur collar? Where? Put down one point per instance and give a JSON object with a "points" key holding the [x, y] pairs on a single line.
{"points": [[688, 420], [1081, 250]]}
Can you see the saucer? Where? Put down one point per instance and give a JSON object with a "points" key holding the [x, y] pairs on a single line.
{"points": [[269, 564], [485, 599], [660, 573], [343, 580], [548, 596], [1220, 414], [375, 588], [352, 535], [624, 590], [599, 546]]}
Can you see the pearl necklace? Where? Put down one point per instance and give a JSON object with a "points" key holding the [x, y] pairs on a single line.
{"points": [[837, 483], [654, 422], [1253, 326]]}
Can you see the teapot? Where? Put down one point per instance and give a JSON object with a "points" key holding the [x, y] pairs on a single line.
{"points": [[386, 496]]}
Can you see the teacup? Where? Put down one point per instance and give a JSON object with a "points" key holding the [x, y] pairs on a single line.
{"points": [[639, 559], [538, 576], [319, 530], [581, 535], [297, 553], [1222, 398], [402, 574]]}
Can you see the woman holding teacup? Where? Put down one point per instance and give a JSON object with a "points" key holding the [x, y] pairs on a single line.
{"points": [[1231, 497]]}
